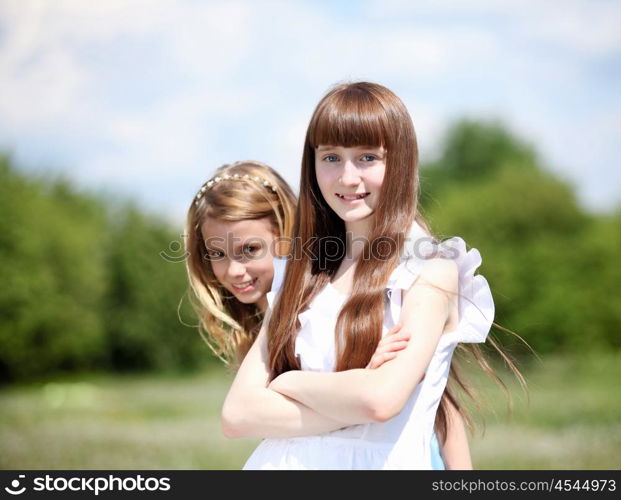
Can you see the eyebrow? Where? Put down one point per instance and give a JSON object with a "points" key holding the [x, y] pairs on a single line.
{"points": [[218, 246]]}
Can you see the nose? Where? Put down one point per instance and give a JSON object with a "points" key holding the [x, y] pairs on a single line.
{"points": [[350, 175], [236, 269]]}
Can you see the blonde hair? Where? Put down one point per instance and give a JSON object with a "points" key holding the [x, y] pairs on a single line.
{"points": [[228, 326]]}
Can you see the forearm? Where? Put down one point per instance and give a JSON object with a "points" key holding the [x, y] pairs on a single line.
{"points": [[264, 413], [252, 410], [346, 396], [455, 449]]}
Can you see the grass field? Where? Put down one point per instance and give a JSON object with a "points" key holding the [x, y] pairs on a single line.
{"points": [[573, 421]]}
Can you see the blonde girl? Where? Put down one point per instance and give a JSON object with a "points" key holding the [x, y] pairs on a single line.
{"points": [[232, 230]]}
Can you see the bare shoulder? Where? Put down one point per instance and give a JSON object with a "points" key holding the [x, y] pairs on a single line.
{"points": [[441, 273], [430, 303]]}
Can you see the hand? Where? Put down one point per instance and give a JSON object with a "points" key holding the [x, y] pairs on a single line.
{"points": [[388, 347]]}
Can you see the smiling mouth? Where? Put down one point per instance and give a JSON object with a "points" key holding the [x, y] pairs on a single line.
{"points": [[351, 197], [246, 284]]}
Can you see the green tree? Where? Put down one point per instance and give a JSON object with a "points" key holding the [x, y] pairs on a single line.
{"points": [[52, 276], [538, 245], [84, 284], [143, 294]]}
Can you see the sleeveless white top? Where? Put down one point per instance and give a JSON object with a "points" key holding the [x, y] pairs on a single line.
{"points": [[404, 441]]}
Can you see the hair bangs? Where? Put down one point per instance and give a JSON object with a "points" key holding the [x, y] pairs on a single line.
{"points": [[349, 118]]}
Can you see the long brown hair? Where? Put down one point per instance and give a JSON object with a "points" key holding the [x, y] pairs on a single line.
{"points": [[227, 325], [357, 114]]}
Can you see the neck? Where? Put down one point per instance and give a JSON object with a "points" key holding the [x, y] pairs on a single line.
{"points": [[358, 234]]}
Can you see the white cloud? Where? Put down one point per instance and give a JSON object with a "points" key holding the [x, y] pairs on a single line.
{"points": [[56, 57], [152, 94], [586, 27]]}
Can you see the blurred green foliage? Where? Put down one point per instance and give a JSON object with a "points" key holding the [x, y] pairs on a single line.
{"points": [[83, 284], [552, 267], [142, 295]]}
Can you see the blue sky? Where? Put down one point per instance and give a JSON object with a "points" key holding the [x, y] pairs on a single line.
{"points": [[147, 97]]}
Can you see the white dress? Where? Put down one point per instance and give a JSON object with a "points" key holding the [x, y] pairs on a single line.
{"points": [[404, 441]]}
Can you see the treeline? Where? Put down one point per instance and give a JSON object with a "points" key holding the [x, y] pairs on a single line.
{"points": [[553, 268], [83, 285]]}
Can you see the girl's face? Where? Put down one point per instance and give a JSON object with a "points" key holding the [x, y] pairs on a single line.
{"points": [[241, 258], [350, 179]]}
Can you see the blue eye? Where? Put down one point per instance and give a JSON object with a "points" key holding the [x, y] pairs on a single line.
{"points": [[330, 158], [250, 249], [214, 254], [369, 158]]}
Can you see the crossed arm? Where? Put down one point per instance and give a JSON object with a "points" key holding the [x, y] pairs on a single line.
{"points": [[251, 409], [299, 403]]}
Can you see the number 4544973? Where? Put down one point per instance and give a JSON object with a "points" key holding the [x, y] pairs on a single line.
{"points": [[585, 485]]}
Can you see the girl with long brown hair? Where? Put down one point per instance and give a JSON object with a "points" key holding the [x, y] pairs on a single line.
{"points": [[358, 195], [230, 277]]}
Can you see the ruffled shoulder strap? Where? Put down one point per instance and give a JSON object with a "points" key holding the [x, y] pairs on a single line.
{"points": [[279, 274], [476, 305]]}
